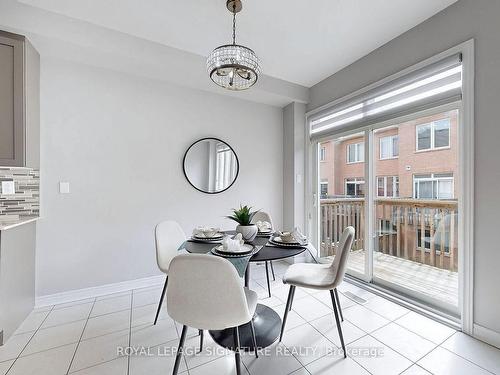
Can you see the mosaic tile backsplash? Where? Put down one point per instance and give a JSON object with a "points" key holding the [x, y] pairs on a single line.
{"points": [[26, 200]]}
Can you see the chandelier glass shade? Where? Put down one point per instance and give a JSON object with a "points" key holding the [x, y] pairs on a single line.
{"points": [[233, 66]]}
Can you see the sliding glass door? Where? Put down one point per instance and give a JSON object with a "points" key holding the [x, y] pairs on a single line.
{"points": [[401, 195]]}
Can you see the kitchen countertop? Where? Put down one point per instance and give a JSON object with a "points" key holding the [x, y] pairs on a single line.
{"points": [[12, 223]]}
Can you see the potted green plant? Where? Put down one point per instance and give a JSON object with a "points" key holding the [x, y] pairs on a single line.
{"points": [[243, 216]]}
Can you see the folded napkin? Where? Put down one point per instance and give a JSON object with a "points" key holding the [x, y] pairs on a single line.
{"points": [[207, 232], [263, 226], [233, 244]]}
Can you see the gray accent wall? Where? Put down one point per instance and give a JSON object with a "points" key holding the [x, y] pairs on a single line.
{"points": [[466, 19]]}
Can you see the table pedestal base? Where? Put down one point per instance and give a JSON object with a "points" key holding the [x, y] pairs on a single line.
{"points": [[267, 325]]}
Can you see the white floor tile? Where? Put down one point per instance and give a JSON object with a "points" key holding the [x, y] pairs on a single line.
{"points": [[146, 314], [273, 360], [222, 365], [43, 308], [150, 335], [53, 337], [415, 370], [116, 366], [328, 327], [293, 320], [364, 319], [325, 297], [282, 293], [405, 342], [99, 349], [4, 366], [49, 362], [147, 297], [32, 322], [335, 365], [480, 353], [159, 362], [443, 362], [387, 309], [310, 308], [307, 344], [270, 301], [376, 357], [108, 323], [67, 315], [14, 345], [300, 371], [110, 305], [347, 288], [211, 351], [425, 327]]}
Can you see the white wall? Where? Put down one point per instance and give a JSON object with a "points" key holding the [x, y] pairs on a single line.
{"points": [[478, 19], [119, 140]]}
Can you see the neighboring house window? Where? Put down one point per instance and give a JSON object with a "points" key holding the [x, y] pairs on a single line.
{"points": [[322, 154], [389, 147], [434, 135], [355, 187], [323, 189], [388, 186], [433, 186], [356, 153]]}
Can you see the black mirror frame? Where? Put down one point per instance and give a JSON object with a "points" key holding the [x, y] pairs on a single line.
{"points": [[215, 139]]}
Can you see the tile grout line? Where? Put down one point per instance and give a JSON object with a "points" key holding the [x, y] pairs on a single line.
{"points": [[81, 335], [130, 328], [458, 355], [31, 338]]}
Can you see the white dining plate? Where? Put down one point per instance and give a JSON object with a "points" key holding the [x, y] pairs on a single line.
{"points": [[244, 249], [278, 239], [217, 237]]}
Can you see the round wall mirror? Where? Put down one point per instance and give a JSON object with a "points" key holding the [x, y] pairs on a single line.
{"points": [[211, 165]]}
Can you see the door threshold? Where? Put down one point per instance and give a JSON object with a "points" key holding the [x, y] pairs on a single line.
{"points": [[428, 311]]}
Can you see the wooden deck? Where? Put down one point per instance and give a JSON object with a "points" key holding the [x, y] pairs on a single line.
{"points": [[430, 281]]}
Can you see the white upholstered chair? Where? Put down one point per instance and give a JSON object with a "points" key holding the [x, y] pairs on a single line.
{"points": [[169, 236], [205, 292], [264, 216], [322, 277]]}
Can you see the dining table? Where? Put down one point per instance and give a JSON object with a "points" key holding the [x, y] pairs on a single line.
{"points": [[267, 322]]}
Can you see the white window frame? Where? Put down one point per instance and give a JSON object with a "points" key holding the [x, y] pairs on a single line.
{"points": [[322, 153], [433, 179], [357, 181], [432, 125], [392, 138], [394, 184], [357, 153]]}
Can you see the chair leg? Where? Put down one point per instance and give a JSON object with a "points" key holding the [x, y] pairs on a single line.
{"points": [[338, 303], [200, 331], [272, 270], [179, 350], [236, 335], [287, 309], [268, 283], [291, 301], [337, 320], [254, 339], [161, 300]]}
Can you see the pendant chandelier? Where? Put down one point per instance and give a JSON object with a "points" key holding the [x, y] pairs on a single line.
{"points": [[232, 66]]}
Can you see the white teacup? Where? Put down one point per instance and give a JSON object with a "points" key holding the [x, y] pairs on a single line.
{"points": [[287, 237]]}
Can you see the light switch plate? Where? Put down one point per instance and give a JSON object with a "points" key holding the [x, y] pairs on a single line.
{"points": [[8, 187], [64, 187]]}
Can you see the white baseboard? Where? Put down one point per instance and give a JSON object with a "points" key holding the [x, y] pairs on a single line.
{"points": [[74, 295], [487, 335]]}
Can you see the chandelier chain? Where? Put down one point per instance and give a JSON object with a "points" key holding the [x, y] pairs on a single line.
{"points": [[234, 24]]}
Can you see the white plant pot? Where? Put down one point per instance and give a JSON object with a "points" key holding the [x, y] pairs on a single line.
{"points": [[248, 232]]}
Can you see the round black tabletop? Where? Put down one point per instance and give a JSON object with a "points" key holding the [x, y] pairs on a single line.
{"points": [[265, 254]]}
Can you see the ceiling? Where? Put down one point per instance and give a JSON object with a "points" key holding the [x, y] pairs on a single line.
{"points": [[298, 41]]}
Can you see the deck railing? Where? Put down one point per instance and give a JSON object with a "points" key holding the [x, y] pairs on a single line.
{"points": [[424, 231]]}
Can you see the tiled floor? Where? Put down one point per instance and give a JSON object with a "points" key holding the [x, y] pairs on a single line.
{"points": [[84, 337]]}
